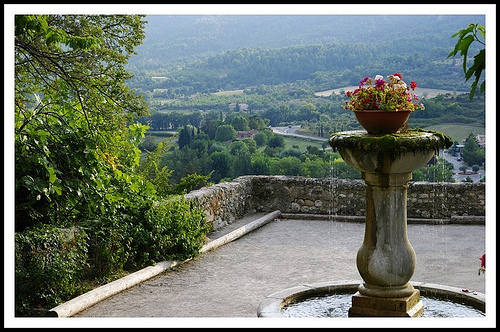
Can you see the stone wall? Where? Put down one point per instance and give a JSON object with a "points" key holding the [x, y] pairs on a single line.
{"points": [[226, 202]]}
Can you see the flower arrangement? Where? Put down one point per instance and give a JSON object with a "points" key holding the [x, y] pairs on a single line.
{"points": [[483, 264], [377, 94]]}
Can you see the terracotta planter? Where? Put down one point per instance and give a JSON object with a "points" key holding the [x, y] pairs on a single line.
{"points": [[382, 122]]}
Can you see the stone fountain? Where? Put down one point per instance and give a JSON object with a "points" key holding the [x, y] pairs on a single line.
{"points": [[386, 260]]}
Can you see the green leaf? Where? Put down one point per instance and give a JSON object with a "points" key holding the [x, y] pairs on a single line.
{"points": [[52, 174], [57, 189]]}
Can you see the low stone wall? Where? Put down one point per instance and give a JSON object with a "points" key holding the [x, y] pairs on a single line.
{"points": [[226, 202]]}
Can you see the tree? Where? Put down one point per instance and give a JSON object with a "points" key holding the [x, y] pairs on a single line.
{"points": [[276, 141], [473, 33], [184, 137], [471, 152], [260, 138], [287, 166], [225, 133], [85, 208], [440, 171], [72, 114], [221, 164], [241, 162], [240, 123]]}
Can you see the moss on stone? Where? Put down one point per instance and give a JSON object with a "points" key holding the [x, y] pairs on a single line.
{"points": [[411, 140]]}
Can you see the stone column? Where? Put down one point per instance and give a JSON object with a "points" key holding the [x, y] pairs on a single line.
{"points": [[386, 260]]}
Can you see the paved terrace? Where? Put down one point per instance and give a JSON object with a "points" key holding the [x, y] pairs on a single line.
{"points": [[229, 282]]}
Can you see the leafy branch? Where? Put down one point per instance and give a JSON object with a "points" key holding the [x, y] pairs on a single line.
{"points": [[477, 33]]}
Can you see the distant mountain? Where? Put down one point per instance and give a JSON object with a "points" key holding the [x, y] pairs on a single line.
{"points": [[175, 39]]}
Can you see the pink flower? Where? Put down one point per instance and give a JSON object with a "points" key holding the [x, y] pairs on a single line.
{"points": [[379, 83]]}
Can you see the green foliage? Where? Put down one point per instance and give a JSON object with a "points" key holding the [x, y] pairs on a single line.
{"points": [[49, 265], [276, 141], [342, 170], [148, 143], [440, 171], [186, 134], [240, 123], [225, 133], [172, 229], [221, 163], [321, 66], [191, 182], [71, 114], [473, 33], [471, 153]]}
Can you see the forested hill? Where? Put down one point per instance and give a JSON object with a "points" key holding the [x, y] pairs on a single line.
{"points": [[170, 38], [210, 53]]}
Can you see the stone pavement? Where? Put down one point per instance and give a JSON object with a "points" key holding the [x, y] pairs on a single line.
{"points": [[232, 280]]}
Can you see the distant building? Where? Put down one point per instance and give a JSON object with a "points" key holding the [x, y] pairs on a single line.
{"points": [[246, 133], [481, 140]]}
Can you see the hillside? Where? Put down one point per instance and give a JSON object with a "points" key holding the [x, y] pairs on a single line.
{"points": [[200, 54], [171, 39]]}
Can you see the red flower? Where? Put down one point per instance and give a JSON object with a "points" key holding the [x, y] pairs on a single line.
{"points": [[483, 261], [398, 75], [413, 85], [380, 83]]}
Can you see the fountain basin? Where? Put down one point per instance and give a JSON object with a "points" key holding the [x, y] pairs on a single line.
{"points": [[446, 301], [391, 153]]}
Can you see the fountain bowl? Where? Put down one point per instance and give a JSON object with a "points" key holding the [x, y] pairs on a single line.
{"points": [[391, 153], [273, 306]]}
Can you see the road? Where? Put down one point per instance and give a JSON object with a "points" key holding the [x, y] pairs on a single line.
{"points": [[291, 131], [475, 177]]}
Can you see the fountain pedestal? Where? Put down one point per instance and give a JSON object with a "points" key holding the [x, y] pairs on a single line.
{"points": [[386, 259]]}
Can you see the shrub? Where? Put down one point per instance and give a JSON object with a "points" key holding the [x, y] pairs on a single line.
{"points": [[172, 229], [49, 264]]}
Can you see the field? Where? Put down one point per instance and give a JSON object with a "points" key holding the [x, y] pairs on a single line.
{"points": [[457, 132], [229, 92], [302, 143]]}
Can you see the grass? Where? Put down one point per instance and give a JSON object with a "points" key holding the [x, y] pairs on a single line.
{"points": [[229, 92], [457, 132], [302, 143]]}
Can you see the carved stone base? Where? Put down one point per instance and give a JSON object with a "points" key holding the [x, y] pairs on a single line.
{"points": [[369, 306]]}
